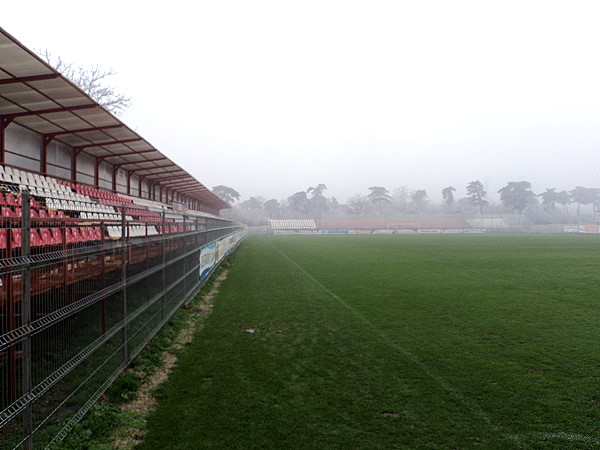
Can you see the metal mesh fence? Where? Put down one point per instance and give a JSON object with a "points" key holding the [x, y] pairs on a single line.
{"points": [[84, 285]]}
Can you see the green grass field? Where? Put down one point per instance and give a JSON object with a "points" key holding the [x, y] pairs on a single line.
{"points": [[395, 342]]}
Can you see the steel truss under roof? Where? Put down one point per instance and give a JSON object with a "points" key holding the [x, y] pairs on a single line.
{"points": [[37, 97]]}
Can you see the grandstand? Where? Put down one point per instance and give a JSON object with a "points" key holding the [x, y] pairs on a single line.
{"points": [[100, 242], [488, 223], [348, 225], [292, 224]]}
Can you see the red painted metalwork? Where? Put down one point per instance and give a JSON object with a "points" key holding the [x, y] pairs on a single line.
{"points": [[44, 156], [4, 123], [50, 76], [51, 110], [84, 130], [115, 141]]}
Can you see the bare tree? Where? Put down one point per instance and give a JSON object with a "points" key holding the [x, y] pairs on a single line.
{"points": [[419, 199], [92, 80], [564, 199], [358, 204], [401, 198]]}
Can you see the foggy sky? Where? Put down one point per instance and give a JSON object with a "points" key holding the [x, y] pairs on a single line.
{"points": [[273, 97]]}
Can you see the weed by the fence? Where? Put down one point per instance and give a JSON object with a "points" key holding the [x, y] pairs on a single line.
{"points": [[124, 388], [95, 430]]}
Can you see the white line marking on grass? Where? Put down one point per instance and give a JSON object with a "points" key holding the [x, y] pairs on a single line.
{"points": [[414, 359], [466, 401]]}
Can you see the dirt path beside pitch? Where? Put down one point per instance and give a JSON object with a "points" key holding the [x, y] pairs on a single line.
{"points": [[145, 402]]}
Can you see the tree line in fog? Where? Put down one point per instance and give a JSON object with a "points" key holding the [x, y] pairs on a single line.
{"points": [[516, 197]]}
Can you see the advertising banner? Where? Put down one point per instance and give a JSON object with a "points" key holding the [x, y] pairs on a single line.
{"points": [[588, 229], [207, 259], [571, 228], [359, 231], [220, 251], [212, 254]]}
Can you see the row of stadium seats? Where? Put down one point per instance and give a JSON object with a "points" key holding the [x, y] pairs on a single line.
{"points": [[69, 205], [50, 236], [106, 197], [292, 224], [30, 179], [52, 193], [142, 212], [101, 216], [487, 223], [34, 213], [134, 231], [73, 235], [10, 199], [147, 203]]}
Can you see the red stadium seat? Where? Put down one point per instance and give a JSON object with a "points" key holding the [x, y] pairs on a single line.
{"points": [[46, 236], [11, 200], [7, 212], [16, 236], [57, 237], [34, 238], [3, 238], [76, 235], [85, 234], [43, 214]]}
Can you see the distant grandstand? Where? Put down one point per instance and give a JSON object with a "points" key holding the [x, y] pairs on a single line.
{"points": [[292, 224], [488, 223], [344, 225]]}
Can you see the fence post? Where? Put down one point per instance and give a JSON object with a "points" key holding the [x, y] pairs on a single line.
{"points": [[185, 249], [163, 271], [26, 313], [125, 337]]}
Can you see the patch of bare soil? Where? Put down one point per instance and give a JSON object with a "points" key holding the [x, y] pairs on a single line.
{"points": [[145, 402]]}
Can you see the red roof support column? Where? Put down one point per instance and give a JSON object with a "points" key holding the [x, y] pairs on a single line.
{"points": [[140, 185], [114, 177], [44, 155], [97, 173], [4, 123], [129, 175]]}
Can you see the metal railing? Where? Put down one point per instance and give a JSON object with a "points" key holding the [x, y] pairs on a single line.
{"points": [[81, 294]]}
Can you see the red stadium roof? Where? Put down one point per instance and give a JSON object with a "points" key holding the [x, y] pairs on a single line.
{"points": [[35, 96]]}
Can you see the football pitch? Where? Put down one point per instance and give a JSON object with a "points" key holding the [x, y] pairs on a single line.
{"points": [[454, 341]]}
